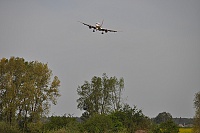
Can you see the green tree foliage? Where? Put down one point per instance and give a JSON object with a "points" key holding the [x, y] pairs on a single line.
{"points": [[101, 95], [164, 124], [165, 127], [36, 127], [155, 128], [162, 117], [6, 128], [62, 122], [132, 119], [169, 127], [98, 123], [26, 90], [197, 113]]}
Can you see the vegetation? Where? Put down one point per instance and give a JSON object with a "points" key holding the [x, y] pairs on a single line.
{"points": [[26, 91], [185, 130], [197, 114], [184, 121], [126, 120], [130, 119], [101, 96], [163, 123], [162, 117]]}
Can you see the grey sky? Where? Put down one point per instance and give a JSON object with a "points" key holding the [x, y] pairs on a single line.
{"points": [[157, 53]]}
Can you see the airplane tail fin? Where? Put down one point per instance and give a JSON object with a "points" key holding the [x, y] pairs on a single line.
{"points": [[102, 22]]}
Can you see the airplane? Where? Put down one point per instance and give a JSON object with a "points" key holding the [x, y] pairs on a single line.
{"points": [[98, 27]]}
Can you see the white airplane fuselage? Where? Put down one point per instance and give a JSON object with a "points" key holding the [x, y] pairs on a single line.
{"points": [[98, 26]]}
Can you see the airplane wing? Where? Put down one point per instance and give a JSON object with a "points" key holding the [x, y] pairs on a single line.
{"points": [[90, 26], [107, 30]]}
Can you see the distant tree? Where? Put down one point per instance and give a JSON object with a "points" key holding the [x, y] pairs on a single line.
{"points": [[101, 95], [162, 117], [26, 90], [197, 113]]}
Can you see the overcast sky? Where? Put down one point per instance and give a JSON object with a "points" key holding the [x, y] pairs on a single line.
{"points": [[157, 53]]}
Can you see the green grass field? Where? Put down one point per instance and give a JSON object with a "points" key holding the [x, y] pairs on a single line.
{"points": [[185, 130]]}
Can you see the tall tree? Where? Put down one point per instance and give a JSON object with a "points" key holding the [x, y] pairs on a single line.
{"points": [[197, 113], [100, 96], [26, 89]]}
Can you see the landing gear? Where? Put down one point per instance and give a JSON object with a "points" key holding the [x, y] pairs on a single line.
{"points": [[93, 30], [102, 33]]}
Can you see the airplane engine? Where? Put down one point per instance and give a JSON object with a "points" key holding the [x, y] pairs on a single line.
{"points": [[90, 27], [106, 31]]}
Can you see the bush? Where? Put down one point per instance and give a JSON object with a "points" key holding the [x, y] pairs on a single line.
{"points": [[63, 124], [35, 127], [74, 127], [155, 129], [116, 123], [98, 124], [169, 127], [131, 119], [58, 122], [6, 128], [62, 130]]}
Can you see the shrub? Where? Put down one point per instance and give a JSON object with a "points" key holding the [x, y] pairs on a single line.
{"points": [[169, 127], [35, 127], [6, 128], [58, 122], [98, 124]]}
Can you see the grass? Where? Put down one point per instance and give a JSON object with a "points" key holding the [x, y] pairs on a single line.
{"points": [[185, 130]]}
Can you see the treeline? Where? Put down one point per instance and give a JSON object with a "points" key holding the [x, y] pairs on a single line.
{"points": [[126, 120], [27, 91], [184, 121]]}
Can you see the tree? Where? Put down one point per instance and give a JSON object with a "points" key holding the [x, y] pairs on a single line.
{"points": [[98, 123], [162, 117], [169, 127], [101, 96], [26, 90], [165, 123], [131, 118], [197, 113]]}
